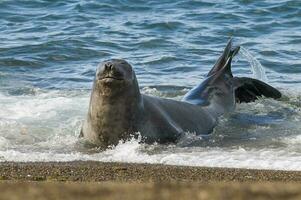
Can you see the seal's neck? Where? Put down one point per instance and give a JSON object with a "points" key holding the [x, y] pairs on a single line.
{"points": [[113, 117]]}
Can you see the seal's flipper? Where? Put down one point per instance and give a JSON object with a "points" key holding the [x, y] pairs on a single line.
{"points": [[229, 52], [218, 83], [249, 89], [220, 87], [245, 89]]}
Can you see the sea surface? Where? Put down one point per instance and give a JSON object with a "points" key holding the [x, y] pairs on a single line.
{"points": [[49, 51]]}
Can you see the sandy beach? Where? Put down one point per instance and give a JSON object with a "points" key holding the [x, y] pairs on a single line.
{"points": [[128, 172], [92, 180]]}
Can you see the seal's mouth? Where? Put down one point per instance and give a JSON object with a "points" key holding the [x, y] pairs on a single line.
{"points": [[111, 78]]}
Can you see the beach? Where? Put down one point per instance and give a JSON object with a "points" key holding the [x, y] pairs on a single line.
{"points": [[91, 180]]}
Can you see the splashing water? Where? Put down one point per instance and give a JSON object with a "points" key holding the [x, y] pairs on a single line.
{"points": [[256, 67]]}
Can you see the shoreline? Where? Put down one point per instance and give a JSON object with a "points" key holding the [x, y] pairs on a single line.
{"points": [[94, 171]]}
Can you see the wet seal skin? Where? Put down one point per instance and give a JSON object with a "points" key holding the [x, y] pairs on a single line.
{"points": [[118, 110]]}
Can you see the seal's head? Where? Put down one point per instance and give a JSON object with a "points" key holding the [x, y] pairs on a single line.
{"points": [[115, 77]]}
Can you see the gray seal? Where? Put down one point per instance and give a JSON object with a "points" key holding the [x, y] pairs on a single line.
{"points": [[118, 110]]}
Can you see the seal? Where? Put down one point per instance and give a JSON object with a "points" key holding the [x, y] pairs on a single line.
{"points": [[117, 108]]}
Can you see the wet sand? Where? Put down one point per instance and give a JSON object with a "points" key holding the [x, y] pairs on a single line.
{"points": [[139, 191], [92, 180]]}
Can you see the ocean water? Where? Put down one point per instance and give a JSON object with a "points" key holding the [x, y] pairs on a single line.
{"points": [[49, 51]]}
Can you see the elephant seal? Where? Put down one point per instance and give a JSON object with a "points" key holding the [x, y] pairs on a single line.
{"points": [[117, 108]]}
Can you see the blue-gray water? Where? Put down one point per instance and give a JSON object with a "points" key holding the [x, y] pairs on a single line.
{"points": [[49, 51]]}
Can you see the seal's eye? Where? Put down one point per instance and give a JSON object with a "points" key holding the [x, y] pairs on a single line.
{"points": [[123, 62]]}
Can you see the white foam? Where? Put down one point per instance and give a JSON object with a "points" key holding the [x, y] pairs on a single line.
{"points": [[4, 143], [45, 105], [210, 157]]}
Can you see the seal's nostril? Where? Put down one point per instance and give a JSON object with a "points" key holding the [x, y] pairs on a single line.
{"points": [[109, 66], [106, 66]]}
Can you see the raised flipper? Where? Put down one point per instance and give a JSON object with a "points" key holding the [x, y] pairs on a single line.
{"points": [[229, 52], [217, 82], [220, 87], [249, 89]]}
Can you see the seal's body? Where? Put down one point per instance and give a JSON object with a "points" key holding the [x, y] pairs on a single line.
{"points": [[117, 109]]}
